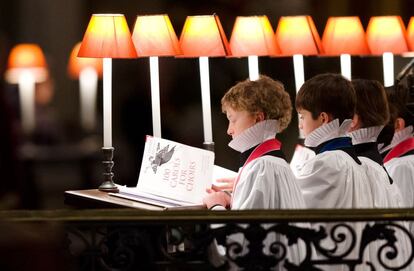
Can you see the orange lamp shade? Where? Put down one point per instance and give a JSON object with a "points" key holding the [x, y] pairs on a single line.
{"points": [[344, 35], [107, 36], [154, 35], [410, 34], [203, 36], [77, 64], [386, 34], [253, 36], [298, 35], [26, 57]]}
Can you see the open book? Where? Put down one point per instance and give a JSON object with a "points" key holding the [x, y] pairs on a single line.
{"points": [[172, 174]]}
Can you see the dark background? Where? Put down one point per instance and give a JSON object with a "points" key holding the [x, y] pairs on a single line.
{"points": [[56, 25]]}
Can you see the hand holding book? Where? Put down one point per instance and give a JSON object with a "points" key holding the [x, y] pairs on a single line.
{"points": [[216, 198]]}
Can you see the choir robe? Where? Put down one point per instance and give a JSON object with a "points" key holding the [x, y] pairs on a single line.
{"points": [[391, 196], [265, 183], [335, 178], [385, 194], [401, 169]]}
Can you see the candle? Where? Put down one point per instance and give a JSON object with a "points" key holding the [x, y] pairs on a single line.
{"points": [[205, 99], [155, 96], [107, 102], [88, 83], [27, 100], [346, 65], [388, 68], [298, 71], [253, 67]]}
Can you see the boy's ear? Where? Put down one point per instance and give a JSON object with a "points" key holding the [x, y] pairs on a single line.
{"points": [[355, 123], [399, 124], [260, 117], [324, 117]]}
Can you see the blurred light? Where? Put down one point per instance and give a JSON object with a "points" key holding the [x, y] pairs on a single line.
{"points": [[410, 34], [26, 58], [77, 64]]}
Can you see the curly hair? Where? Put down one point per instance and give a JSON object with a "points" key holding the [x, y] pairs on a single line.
{"points": [[263, 95]]}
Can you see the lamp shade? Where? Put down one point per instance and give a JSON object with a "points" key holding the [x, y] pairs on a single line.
{"points": [[154, 35], [253, 36], [410, 34], [26, 57], [107, 36], [77, 64], [203, 36], [386, 34], [344, 35], [298, 35]]}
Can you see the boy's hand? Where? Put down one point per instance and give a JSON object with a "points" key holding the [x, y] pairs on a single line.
{"points": [[225, 184], [216, 198]]}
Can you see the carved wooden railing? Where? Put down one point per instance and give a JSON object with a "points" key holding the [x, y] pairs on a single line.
{"points": [[125, 239]]}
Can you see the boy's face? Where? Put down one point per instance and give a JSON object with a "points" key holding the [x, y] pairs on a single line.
{"points": [[307, 124], [238, 121]]}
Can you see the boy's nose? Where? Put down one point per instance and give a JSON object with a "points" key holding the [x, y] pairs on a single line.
{"points": [[229, 131]]}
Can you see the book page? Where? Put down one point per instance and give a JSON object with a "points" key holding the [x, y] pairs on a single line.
{"points": [[175, 171]]}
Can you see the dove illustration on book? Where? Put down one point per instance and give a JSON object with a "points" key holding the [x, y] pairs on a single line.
{"points": [[161, 157]]}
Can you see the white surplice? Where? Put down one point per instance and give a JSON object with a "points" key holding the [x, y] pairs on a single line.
{"points": [[385, 195], [401, 169], [334, 180], [266, 183]]}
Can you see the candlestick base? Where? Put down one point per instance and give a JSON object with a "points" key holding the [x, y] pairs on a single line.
{"points": [[208, 146], [108, 185]]}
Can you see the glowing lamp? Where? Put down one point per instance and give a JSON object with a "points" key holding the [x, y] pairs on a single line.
{"points": [[26, 67], [107, 36], [154, 36], [203, 37], [87, 70], [410, 34], [251, 37], [297, 36], [386, 36], [344, 36]]}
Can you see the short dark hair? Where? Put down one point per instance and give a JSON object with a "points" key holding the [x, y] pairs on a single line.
{"points": [[398, 98], [372, 104], [329, 93]]}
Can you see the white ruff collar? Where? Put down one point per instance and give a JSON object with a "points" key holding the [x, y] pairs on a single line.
{"points": [[327, 132], [399, 137], [254, 135], [365, 135]]}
